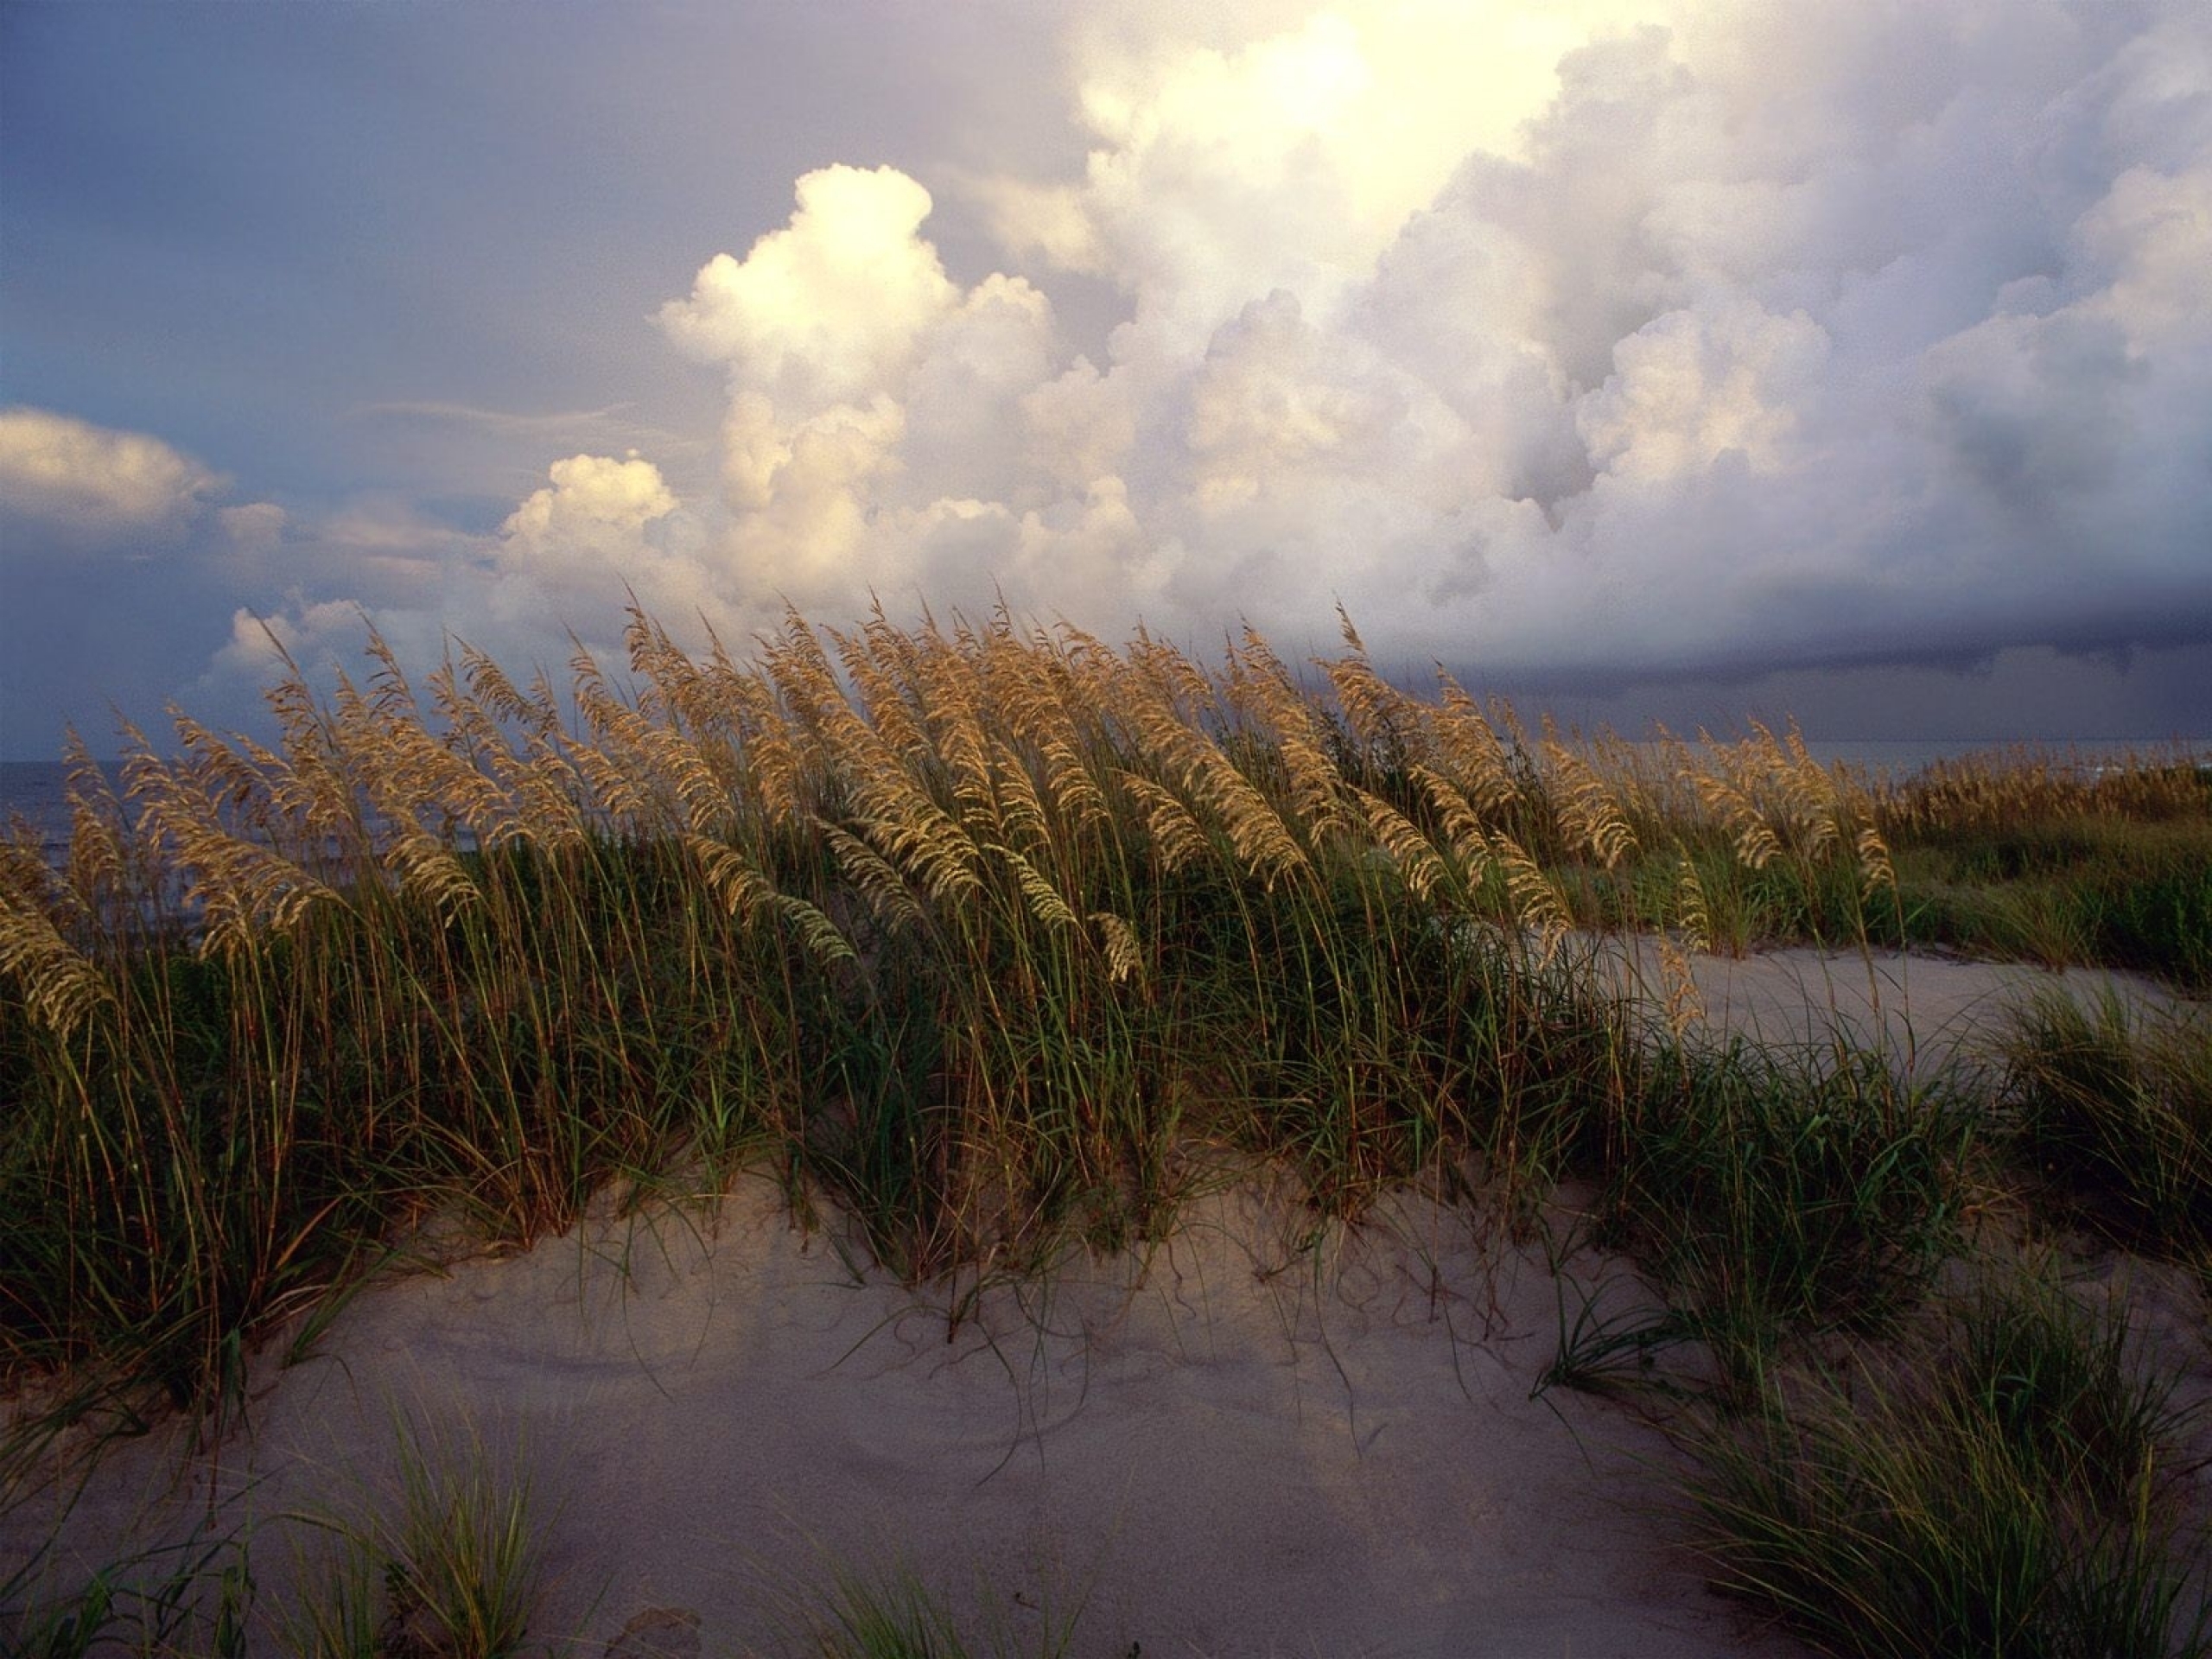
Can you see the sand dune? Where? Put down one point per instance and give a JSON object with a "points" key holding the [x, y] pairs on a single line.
{"points": [[1245, 1444], [1244, 1449]]}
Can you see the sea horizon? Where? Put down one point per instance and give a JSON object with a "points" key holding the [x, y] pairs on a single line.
{"points": [[37, 792]]}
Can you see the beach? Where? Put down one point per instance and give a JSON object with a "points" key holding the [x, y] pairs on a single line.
{"points": [[1259, 1435]]}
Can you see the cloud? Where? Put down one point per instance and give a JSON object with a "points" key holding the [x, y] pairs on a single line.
{"points": [[826, 309], [591, 498], [308, 634], [93, 486], [1636, 367], [603, 531], [461, 449], [1552, 340], [256, 527], [1723, 377], [432, 412]]}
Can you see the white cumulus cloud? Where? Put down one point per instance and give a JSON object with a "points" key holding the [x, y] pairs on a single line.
{"points": [[92, 483], [829, 309]]}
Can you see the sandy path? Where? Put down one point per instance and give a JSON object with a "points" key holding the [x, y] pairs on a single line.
{"points": [[1927, 1011]]}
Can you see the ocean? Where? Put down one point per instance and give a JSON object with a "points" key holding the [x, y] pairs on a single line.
{"points": [[36, 792]]}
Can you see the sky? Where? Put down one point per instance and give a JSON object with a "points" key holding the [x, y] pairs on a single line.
{"points": [[1688, 359]]}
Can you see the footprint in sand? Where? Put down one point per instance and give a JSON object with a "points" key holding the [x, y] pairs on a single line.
{"points": [[658, 1633]]}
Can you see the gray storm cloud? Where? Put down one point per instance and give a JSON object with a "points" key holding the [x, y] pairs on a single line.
{"points": [[1627, 340]]}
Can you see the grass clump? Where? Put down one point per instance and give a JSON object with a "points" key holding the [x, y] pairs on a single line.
{"points": [[895, 1614], [180, 1601], [447, 1567], [1774, 1197], [2110, 1110], [2012, 1486], [2039, 857], [2114, 890]]}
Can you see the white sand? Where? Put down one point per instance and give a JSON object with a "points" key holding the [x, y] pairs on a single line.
{"points": [[1228, 1460], [1929, 1012], [1244, 1449]]}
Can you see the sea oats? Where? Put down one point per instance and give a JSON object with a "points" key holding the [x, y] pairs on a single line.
{"points": [[389, 695], [1044, 900], [1537, 902], [1022, 816], [737, 886], [1181, 684], [1685, 1004], [489, 685], [616, 766], [1756, 844], [881, 694], [24, 869], [800, 672], [1401, 838], [1665, 766], [1075, 792], [408, 773], [62, 988], [480, 782], [1691, 915], [1158, 734], [1176, 837], [1381, 716], [653, 656], [1255, 830], [772, 749], [678, 762], [1586, 810], [913, 831], [1468, 746], [1124, 956], [872, 876], [949, 692], [1456, 815], [240, 889], [291, 797], [1258, 684], [234, 787], [1317, 788], [98, 865], [1506, 717], [1351, 635], [1018, 685], [550, 795], [823, 939], [428, 870], [1810, 796], [1875, 870]]}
